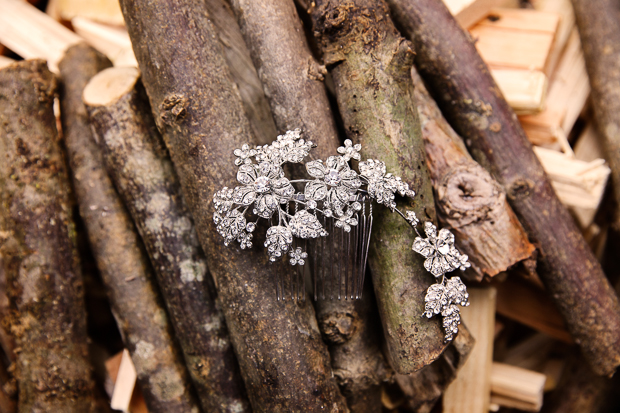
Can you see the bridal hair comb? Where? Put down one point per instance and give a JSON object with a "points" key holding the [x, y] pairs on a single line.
{"points": [[334, 213]]}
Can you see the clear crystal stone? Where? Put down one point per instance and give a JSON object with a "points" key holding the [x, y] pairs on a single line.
{"points": [[262, 184], [332, 177], [250, 227]]}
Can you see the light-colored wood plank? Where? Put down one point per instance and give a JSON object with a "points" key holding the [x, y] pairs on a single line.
{"points": [[112, 41], [512, 383], [5, 61], [124, 385], [521, 19], [517, 49], [113, 368], [524, 90], [568, 92], [468, 12], [564, 9], [470, 391], [33, 34], [104, 11]]}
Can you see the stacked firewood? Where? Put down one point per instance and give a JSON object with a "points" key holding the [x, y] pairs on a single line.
{"points": [[118, 123]]}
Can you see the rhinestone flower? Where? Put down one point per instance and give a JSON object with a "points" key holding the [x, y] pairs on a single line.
{"points": [[350, 151], [298, 257], [439, 250]]}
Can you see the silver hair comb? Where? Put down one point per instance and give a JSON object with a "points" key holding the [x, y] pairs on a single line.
{"points": [[334, 213]]}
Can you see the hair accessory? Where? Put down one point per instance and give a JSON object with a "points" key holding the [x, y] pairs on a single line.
{"points": [[334, 210]]}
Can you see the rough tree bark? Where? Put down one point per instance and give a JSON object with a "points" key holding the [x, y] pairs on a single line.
{"points": [[242, 71], [38, 248], [599, 28], [424, 387], [138, 163], [371, 63], [469, 201], [118, 250], [292, 79], [284, 363], [465, 91]]}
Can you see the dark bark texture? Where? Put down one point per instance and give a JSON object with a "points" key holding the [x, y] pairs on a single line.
{"points": [[424, 387], [292, 79], [242, 71], [599, 28], [38, 248], [370, 64], [138, 163], [447, 60], [283, 360], [118, 250], [469, 201], [352, 330]]}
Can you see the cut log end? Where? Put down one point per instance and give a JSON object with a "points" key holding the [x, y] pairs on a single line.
{"points": [[110, 85]]}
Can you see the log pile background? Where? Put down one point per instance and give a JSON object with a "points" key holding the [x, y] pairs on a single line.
{"points": [[118, 122]]}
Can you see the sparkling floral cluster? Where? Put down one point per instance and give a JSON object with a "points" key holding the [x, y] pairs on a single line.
{"points": [[336, 191]]}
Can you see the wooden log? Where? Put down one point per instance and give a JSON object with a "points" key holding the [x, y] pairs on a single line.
{"points": [[580, 390], [468, 96], [291, 76], [599, 28], [38, 248], [350, 328], [425, 387], [201, 118], [377, 106], [118, 250], [469, 201], [143, 174], [32, 34], [243, 71], [470, 391], [292, 79]]}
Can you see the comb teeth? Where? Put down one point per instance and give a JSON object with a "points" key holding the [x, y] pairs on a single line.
{"points": [[337, 262]]}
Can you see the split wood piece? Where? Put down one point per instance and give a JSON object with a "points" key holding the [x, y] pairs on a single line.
{"points": [[469, 98], [580, 390], [564, 10], [38, 248], [104, 11], [524, 90], [599, 28], [468, 12], [469, 201], [292, 79], [283, 360], [118, 251], [32, 34], [138, 163], [124, 383], [577, 183], [516, 38], [243, 71], [516, 387], [113, 369], [113, 41], [5, 61], [568, 92], [350, 328], [370, 64], [471, 389], [425, 387], [530, 306]]}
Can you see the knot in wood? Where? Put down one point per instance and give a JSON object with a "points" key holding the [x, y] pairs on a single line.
{"points": [[520, 189], [338, 328], [173, 108], [469, 194]]}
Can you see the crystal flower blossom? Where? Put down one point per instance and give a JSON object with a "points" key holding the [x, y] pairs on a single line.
{"points": [[439, 250]]}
